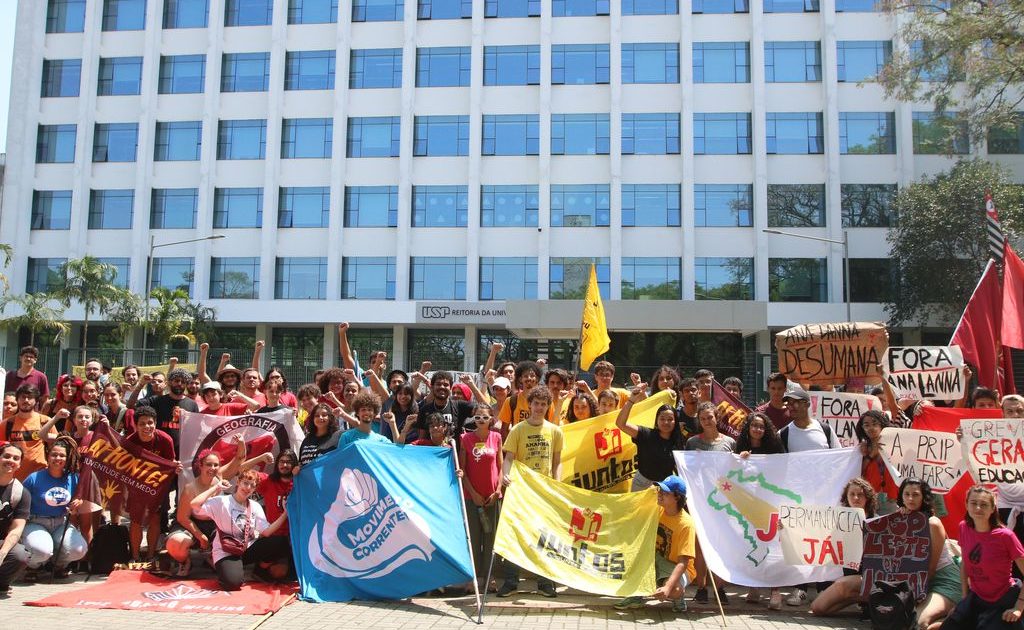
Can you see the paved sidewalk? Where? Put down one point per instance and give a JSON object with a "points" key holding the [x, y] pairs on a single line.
{"points": [[525, 611]]}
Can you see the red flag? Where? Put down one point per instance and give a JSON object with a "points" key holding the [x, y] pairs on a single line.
{"points": [[977, 334], [731, 411], [1013, 300]]}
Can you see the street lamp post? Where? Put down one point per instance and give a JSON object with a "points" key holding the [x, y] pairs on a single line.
{"points": [[846, 257], [149, 275]]}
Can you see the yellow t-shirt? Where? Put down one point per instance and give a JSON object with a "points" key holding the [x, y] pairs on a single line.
{"points": [[534, 446], [676, 538], [511, 417]]}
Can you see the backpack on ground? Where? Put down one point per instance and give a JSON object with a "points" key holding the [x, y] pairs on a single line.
{"points": [[891, 606], [109, 547]]}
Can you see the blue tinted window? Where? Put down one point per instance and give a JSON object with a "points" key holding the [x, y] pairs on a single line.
{"points": [[312, 11], [723, 205], [437, 278], [174, 208], [721, 62], [376, 68], [792, 62], [122, 270], [797, 280], [511, 134], [580, 205], [651, 278], [580, 64], [306, 137], [173, 273], [51, 210], [861, 61], [938, 134], [574, 8], [511, 8], [248, 12], [371, 206], [440, 206], [512, 278], [377, 10], [1007, 139], [867, 132], [568, 277], [111, 209], [440, 136], [300, 279], [650, 63], [724, 278], [304, 207], [373, 137], [65, 16], [856, 6], [182, 74], [579, 134], [368, 278], [238, 207], [650, 134], [442, 67], [245, 72], [721, 6], [309, 70], [650, 205], [650, 7], [178, 140], [115, 142], [61, 77], [721, 134], [867, 205], [124, 15], [55, 144], [44, 274], [511, 65], [242, 140], [509, 206], [186, 13], [790, 6], [119, 76], [235, 278], [444, 9], [796, 205], [795, 133]]}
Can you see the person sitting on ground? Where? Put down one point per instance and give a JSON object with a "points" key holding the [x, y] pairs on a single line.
{"points": [[944, 587], [17, 507], [845, 591], [869, 430]]}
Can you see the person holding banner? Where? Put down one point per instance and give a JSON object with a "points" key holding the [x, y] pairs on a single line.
{"points": [[858, 493], [869, 429], [481, 459], [653, 446], [758, 437], [322, 434]]}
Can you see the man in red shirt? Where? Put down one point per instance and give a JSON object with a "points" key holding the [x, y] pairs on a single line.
{"points": [[275, 488], [776, 408], [28, 374], [155, 441], [212, 402]]}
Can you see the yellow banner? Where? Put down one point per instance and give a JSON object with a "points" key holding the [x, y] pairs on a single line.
{"points": [[593, 542], [597, 456], [116, 374]]}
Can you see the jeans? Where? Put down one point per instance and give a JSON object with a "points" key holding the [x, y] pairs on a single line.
{"points": [[975, 613], [14, 563], [270, 549], [42, 541], [482, 523]]}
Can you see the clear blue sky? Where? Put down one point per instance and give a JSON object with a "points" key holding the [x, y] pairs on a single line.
{"points": [[8, 9]]}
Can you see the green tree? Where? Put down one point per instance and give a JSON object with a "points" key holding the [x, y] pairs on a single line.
{"points": [[939, 243], [964, 56], [37, 313], [7, 252], [173, 316], [91, 283]]}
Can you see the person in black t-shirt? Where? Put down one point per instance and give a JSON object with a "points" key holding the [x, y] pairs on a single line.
{"points": [[168, 406], [456, 411], [654, 446], [14, 514]]}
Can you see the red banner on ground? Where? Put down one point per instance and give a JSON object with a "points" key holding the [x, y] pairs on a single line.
{"points": [[138, 590]]}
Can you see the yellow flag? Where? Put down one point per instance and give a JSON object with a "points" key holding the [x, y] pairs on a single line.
{"points": [[594, 340], [117, 373], [598, 456], [593, 542]]}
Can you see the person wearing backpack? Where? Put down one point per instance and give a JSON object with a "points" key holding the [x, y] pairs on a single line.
{"points": [[15, 507]]}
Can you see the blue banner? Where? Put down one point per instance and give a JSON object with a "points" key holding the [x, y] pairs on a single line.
{"points": [[378, 521]]}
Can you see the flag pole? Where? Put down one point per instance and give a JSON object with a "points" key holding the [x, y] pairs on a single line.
{"points": [[487, 582], [465, 525], [714, 587]]}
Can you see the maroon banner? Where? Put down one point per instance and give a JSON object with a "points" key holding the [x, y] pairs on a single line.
{"points": [[116, 473], [730, 411], [896, 549]]}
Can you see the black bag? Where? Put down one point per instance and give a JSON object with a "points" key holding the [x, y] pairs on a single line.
{"points": [[891, 606], [109, 547]]}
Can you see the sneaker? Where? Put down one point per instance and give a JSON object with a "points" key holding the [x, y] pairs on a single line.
{"points": [[183, 569], [701, 596], [722, 597], [679, 605], [547, 590], [754, 596], [630, 603], [775, 603], [798, 598], [507, 588]]}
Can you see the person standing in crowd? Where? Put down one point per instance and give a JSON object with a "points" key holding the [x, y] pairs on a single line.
{"points": [[366, 407], [23, 430], [686, 410], [734, 386], [10, 405], [94, 371], [250, 385], [516, 408], [653, 446], [439, 431], [664, 378], [287, 398], [308, 395], [213, 401], [27, 373], [168, 406], [607, 402], [403, 406], [90, 395], [776, 408], [845, 591], [481, 459], [869, 432], [129, 378], [188, 531], [122, 419], [705, 380], [457, 411], [67, 396], [322, 434], [272, 392], [582, 406], [15, 509], [150, 438], [604, 374], [537, 443]]}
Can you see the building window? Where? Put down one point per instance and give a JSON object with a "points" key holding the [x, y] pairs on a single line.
{"points": [[61, 77], [376, 68], [119, 76], [650, 205], [936, 65], [868, 205], [377, 10], [436, 136], [721, 62], [864, 133], [173, 273], [65, 16], [650, 134], [795, 133], [856, 6], [578, 8], [238, 208], [568, 278], [511, 8], [797, 280], [1007, 139], [124, 15], [724, 278], [940, 134], [178, 141], [242, 140], [368, 278], [44, 275], [511, 278], [650, 7], [723, 205], [720, 6], [721, 134], [444, 9], [51, 210], [235, 278], [248, 12], [862, 61], [186, 13], [312, 11], [245, 72], [309, 70], [304, 207], [111, 209], [55, 144], [440, 206], [446, 66], [651, 279], [580, 205], [790, 6], [182, 74], [509, 206], [306, 138], [650, 63], [447, 348], [580, 64], [174, 209], [122, 270], [437, 278], [871, 280], [792, 62], [511, 65], [511, 134], [371, 206], [579, 134], [300, 279], [115, 142], [796, 205]]}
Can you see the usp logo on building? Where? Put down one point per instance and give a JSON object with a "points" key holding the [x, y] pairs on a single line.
{"points": [[584, 524], [607, 443]]}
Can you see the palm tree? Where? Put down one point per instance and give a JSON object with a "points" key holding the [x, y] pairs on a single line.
{"points": [[173, 317], [36, 314], [8, 253], [91, 283]]}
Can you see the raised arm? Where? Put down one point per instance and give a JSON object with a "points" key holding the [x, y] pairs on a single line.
{"points": [[621, 421], [492, 356], [204, 352], [377, 384], [44, 431], [344, 351], [133, 397], [257, 353], [480, 397]]}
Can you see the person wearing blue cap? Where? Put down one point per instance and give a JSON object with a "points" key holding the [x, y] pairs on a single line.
{"points": [[675, 545]]}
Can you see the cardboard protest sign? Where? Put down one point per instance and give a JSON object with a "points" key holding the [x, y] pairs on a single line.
{"points": [[842, 411], [818, 535], [730, 411], [920, 372], [896, 549], [994, 449], [829, 354], [932, 456]]}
